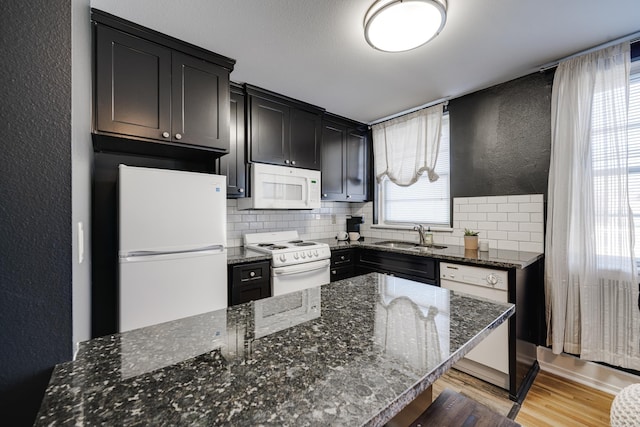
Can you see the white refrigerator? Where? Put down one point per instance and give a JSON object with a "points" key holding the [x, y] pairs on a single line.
{"points": [[172, 245]]}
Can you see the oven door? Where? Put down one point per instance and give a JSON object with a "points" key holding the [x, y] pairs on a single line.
{"points": [[300, 276]]}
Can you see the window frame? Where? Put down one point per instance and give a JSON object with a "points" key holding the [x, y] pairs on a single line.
{"points": [[378, 195]]}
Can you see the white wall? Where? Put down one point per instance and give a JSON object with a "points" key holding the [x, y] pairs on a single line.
{"points": [[81, 158]]}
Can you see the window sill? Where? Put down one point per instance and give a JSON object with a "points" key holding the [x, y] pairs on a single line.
{"points": [[410, 227]]}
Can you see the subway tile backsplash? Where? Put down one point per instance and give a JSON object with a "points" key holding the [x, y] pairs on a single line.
{"points": [[506, 222], [310, 224]]}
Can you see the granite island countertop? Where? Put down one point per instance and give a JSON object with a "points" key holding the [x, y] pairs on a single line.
{"points": [[353, 352]]}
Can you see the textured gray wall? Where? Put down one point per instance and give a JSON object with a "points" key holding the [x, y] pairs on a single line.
{"points": [[35, 202], [501, 139]]}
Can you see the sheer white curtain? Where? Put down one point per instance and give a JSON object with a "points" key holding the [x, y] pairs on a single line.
{"points": [[590, 275], [407, 146]]}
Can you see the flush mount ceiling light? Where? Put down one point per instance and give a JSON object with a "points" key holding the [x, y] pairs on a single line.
{"points": [[400, 25]]}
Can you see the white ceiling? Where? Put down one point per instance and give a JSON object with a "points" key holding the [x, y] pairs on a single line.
{"points": [[315, 51]]}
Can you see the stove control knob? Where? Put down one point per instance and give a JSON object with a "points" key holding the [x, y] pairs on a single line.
{"points": [[310, 254], [316, 253], [283, 258], [296, 256], [303, 255]]}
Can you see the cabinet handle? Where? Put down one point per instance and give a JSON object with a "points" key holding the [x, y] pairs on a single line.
{"points": [[252, 274], [165, 134], [240, 190], [286, 162], [334, 272], [293, 162], [178, 136], [324, 195]]}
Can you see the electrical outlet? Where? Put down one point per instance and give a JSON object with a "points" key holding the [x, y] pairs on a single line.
{"points": [[333, 219]]}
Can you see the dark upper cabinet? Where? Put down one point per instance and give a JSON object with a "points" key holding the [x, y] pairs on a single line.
{"points": [[133, 85], [283, 131], [305, 138], [345, 160], [200, 102], [152, 87], [233, 164]]}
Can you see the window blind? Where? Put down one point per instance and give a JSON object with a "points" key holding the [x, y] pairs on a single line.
{"points": [[423, 202]]}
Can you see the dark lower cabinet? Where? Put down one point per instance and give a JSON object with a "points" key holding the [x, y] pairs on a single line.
{"points": [[345, 160], [418, 268], [342, 264], [233, 165], [249, 282]]}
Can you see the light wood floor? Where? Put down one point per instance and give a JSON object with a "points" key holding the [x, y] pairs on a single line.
{"points": [[551, 401], [555, 401]]}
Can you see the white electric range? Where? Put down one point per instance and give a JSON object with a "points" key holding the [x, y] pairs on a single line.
{"points": [[296, 264]]}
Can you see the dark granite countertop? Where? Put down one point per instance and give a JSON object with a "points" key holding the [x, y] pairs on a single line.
{"points": [[353, 352], [240, 255], [492, 258]]}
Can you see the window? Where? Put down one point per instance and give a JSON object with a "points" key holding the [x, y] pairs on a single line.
{"points": [[633, 139], [423, 202]]}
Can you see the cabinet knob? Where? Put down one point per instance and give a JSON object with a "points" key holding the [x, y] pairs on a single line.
{"points": [[334, 272], [293, 162], [324, 195], [252, 274], [240, 190], [165, 134], [286, 162], [348, 196], [178, 136], [342, 257]]}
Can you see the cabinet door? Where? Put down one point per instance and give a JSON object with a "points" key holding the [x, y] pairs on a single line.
{"points": [[305, 139], [249, 282], [200, 103], [133, 85], [333, 178], [233, 164], [356, 163], [269, 131]]}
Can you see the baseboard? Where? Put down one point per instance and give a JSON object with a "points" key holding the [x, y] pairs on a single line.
{"points": [[587, 373]]}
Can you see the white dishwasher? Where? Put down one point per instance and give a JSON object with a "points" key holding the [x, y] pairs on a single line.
{"points": [[489, 360]]}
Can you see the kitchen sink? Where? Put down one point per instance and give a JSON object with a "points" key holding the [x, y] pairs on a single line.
{"points": [[407, 245], [397, 244], [428, 247]]}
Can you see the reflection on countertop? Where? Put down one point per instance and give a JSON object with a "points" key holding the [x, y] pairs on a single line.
{"points": [[307, 365]]}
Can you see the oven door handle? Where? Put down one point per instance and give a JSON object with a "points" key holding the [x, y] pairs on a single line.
{"points": [[283, 271]]}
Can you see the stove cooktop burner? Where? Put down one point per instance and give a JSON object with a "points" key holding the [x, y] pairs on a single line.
{"points": [[264, 245], [296, 241], [274, 247], [301, 243]]}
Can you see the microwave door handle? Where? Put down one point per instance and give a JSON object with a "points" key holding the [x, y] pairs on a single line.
{"points": [[308, 191]]}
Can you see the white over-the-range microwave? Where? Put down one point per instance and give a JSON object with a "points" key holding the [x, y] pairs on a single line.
{"points": [[282, 187]]}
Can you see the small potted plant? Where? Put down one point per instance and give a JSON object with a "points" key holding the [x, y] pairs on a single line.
{"points": [[470, 239]]}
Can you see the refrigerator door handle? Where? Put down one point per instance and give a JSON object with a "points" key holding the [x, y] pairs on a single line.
{"points": [[134, 254]]}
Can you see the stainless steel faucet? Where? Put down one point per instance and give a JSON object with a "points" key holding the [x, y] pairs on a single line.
{"points": [[420, 229]]}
